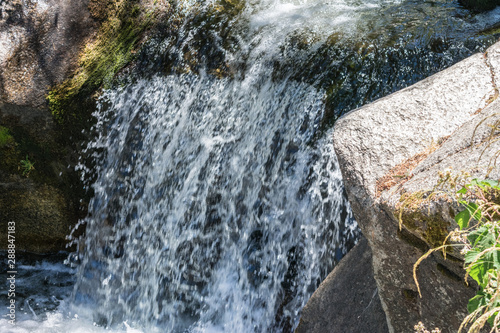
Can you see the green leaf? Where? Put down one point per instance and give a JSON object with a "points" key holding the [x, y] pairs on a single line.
{"points": [[491, 320], [476, 272], [471, 256], [476, 235], [486, 240], [475, 302], [475, 182], [474, 210], [478, 266], [495, 259], [463, 190], [485, 183], [483, 267], [462, 219], [491, 183]]}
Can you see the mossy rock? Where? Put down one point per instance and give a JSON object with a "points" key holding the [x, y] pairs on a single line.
{"points": [[431, 228], [5, 137], [427, 215], [37, 189], [123, 23], [9, 155], [42, 215]]}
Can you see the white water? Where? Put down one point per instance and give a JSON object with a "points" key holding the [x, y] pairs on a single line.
{"points": [[214, 208], [207, 191]]}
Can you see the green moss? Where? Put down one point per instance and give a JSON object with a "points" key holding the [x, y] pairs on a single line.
{"points": [[415, 215], [437, 230], [433, 229], [5, 137], [51, 158], [9, 159], [422, 224], [495, 30], [113, 48], [410, 295], [124, 24], [9, 152]]}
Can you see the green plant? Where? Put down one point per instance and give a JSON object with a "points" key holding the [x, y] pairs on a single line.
{"points": [[479, 236], [27, 166], [5, 137]]}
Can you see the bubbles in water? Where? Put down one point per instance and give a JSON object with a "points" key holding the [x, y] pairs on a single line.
{"points": [[212, 207]]}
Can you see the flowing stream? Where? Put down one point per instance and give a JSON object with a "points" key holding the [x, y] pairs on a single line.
{"points": [[218, 204]]}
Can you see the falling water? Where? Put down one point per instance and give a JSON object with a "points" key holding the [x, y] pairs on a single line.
{"points": [[213, 208]]}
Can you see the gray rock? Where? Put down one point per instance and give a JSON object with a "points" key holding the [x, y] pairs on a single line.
{"points": [[492, 57], [372, 140], [347, 301], [39, 45], [40, 42]]}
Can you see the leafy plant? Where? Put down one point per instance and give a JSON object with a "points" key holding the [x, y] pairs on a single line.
{"points": [[479, 236], [5, 137], [481, 250], [27, 166]]}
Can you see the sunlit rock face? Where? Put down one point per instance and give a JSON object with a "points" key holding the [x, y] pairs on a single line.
{"points": [[439, 122], [40, 42]]}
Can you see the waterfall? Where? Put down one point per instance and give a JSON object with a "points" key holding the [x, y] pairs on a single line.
{"points": [[218, 203], [215, 208]]}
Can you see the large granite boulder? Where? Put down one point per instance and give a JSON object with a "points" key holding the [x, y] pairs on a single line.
{"points": [[392, 153]]}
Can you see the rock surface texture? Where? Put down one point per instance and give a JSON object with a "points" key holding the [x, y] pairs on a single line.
{"points": [[347, 301], [39, 46], [394, 149]]}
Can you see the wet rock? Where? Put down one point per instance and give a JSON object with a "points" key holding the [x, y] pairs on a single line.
{"points": [[387, 135], [480, 5], [347, 300]]}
